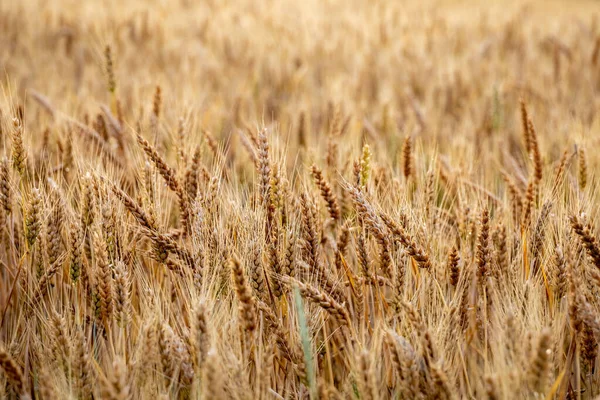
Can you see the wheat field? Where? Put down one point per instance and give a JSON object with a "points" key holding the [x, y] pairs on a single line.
{"points": [[299, 200]]}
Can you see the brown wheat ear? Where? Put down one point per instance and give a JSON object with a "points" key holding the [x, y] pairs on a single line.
{"points": [[13, 372], [244, 294], [326, 192], [588, 239]]}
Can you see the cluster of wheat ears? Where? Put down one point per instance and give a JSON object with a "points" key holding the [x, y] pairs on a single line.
{"points": [[313, 200]]}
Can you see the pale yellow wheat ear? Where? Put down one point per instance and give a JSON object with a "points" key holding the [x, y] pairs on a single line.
{"points": [[583, 174], [18, 153], [540, 362], [115, 385], [44, 102], [212, 382]]}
